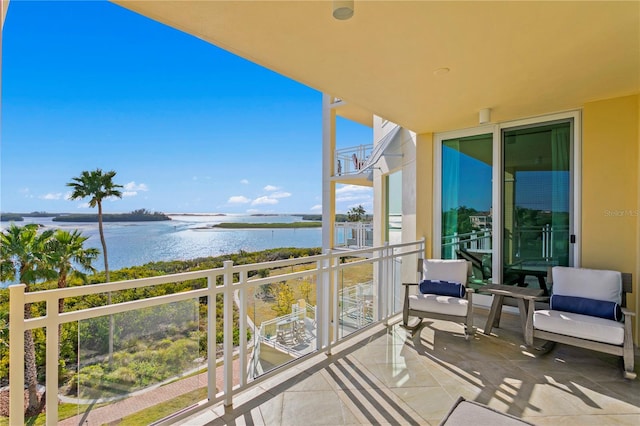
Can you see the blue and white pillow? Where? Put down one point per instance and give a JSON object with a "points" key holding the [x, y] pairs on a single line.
{"points": [[442, 288], [582, 305]]}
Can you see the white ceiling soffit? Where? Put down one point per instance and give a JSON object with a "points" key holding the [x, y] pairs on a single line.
{"points": [[430, 65]]}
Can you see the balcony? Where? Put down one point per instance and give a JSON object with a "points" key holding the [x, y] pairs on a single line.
{"points": [[353, 235], [158, 342], [349, 163], [351, 364]]}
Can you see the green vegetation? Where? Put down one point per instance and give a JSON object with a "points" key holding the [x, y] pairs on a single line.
{"points": [[244, 225], [356, 214], [340, 217], [165, 409], [141, 215], [134, 347], [11, 217], [64, 412]]}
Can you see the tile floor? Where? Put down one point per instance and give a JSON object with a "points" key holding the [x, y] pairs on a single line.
{"points": [[385, 377]]}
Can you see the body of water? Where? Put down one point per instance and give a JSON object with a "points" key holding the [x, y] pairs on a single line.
{"points": [[183, 237]]}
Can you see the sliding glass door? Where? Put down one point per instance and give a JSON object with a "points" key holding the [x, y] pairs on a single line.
{"points": [[505, 199], [536, 201], [466, 212]]}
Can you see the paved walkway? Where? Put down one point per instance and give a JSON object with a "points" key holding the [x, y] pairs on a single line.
{"points": [[114, 413]]}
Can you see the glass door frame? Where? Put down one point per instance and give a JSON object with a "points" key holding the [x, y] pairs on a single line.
{"points": [[497, 131]]}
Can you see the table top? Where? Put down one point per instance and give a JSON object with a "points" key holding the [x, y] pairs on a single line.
{"points": [[511, 290]]}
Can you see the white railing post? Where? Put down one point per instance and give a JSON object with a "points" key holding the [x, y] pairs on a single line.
{"points": [[242, 326], [333, 263], [323, 319], [227, 349], [53, 353], [379, 302], [16, 354], [211, 338]]}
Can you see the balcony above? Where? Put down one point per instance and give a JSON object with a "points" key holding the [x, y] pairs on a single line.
{"points": [[349, 165]]}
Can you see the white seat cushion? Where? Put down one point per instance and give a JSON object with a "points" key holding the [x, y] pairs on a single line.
{"points": [[580, 326], [589, 283], [439, 304], [445, 270]]}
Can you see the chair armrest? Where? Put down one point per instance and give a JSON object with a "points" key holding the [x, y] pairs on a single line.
{"points": [[407, 284], [535, 298], [628, 313]]}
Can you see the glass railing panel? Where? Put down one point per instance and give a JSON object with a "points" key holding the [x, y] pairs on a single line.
{"points": [[135, 354], [283, 314], [356, 296]]}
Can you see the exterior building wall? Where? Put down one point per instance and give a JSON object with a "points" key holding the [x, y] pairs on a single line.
{"points": [[610, 205], [609, 237], [424, 189]]}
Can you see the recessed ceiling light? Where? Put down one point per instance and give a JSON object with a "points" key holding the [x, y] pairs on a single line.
{"points": [[441, 71]]}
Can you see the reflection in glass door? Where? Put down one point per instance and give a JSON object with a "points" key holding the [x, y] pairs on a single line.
{"points": [[466, 203], [536, 201]]}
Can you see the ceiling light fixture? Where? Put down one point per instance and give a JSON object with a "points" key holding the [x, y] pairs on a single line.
{"points": [[342, 10]]}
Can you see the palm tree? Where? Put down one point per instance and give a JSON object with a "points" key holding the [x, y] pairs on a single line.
{"points": [[67, 250], [24, 258], [356, 214], [97, 186]]}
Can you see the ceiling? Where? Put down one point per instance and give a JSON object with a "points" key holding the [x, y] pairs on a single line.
{"points": [[520, 59]]}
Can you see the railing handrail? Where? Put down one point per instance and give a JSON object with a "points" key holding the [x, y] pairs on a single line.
{"points": [[235, 278]]}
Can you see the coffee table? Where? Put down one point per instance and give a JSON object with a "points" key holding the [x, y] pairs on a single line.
{"points": [[520, 294]]}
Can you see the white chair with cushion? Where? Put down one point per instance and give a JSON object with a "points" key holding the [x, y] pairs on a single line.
{"points": [[586, 310], [442, 294]]}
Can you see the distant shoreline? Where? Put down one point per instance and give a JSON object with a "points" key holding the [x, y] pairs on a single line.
{"points": [[245, 225]]}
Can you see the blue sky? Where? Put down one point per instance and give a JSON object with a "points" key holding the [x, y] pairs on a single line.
{"points": [[188, 127]]}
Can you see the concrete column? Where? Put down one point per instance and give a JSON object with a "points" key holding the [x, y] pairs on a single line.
{"points": [[328, 186]]}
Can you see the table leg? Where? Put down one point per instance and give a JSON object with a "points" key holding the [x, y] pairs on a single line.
{"points": [[494, 313], [543, 284], [522, 307]]}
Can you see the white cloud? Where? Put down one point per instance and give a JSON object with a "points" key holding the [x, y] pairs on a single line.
{"points": [[84, 206], [131, 189], [353, 189], [238, 199], [132, 186], [52, 196], [271, 188], [264, 200], [244, 181], [354, 193], [280, 194], [316, 208]]}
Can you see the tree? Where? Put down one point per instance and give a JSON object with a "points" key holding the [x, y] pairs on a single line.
{"points": [[24, 257], [69, 257], [284, 299], [356, 214], [97, 186]]}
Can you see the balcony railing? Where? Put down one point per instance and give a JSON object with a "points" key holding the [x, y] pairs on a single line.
{"points": [[352, 290], [353, 234], [349, 161]]}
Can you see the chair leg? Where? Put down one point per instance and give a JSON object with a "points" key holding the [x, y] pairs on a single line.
{"points": [[413, 328], [627, 352]]}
